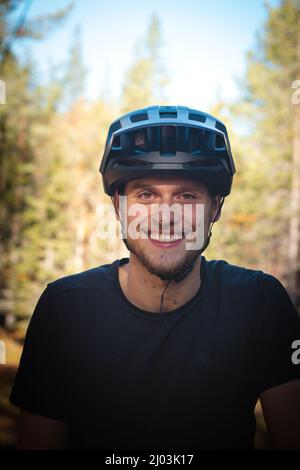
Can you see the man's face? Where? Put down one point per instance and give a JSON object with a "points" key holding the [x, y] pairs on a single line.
{"points": [[162, 258]]}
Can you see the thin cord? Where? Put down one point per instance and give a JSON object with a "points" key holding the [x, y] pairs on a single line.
{"points": [[161, 303], [162, 296], [219, 210], [191, 266]]}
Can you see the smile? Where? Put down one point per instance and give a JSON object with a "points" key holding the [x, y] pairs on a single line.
{"points": [[165, 238]]}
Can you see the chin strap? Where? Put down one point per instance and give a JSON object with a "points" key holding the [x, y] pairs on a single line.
{"points": [[190, 267], [182, 275]]}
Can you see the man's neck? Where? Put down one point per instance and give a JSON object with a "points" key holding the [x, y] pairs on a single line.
{"points": [[144, 289]]}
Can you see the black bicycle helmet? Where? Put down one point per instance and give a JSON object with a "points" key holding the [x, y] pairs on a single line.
{"points": [[167, 140]]}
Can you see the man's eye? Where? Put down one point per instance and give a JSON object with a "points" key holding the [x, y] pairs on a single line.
{"points": [[188, 196], [145, 195]]}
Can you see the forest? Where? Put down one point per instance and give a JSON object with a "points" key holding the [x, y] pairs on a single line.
{"points": [[52, 139]]}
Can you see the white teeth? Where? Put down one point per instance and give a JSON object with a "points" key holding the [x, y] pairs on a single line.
{"points": [[164, 238]]}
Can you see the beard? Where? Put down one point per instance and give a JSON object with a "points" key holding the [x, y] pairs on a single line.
{"points": [[163, 271]]}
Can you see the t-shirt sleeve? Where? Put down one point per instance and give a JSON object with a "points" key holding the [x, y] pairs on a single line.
{"points": [[40, 383], [275, 337]]}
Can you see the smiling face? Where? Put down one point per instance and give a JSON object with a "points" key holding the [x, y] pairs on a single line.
{"points": [[163, 256]]}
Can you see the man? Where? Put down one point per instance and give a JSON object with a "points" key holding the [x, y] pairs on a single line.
{"points": [[164, 350]]}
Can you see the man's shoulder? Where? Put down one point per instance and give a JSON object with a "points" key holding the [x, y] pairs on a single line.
{"points": [[96, 277], [236, 275], [249, 285]]}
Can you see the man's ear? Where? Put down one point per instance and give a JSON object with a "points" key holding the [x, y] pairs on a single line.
{"points": [[216, 210]]}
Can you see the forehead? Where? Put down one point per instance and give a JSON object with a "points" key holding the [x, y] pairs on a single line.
{"points": [[166, 181]]}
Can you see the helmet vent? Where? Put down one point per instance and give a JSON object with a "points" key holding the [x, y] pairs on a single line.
{"points": [[220, 142], [168, 140], [164, 115], [139, 117], [195, 140], [140, 139], [116, 145], [115, 126], [221, 127], [197, 117]]}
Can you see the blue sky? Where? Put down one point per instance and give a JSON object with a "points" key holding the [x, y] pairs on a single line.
{"points": [[204, 43]]}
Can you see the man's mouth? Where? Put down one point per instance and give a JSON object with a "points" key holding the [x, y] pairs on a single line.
{"points": [[165, 238]]}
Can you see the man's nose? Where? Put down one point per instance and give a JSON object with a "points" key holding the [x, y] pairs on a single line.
{"points": [[167, 198], [167, 215]]}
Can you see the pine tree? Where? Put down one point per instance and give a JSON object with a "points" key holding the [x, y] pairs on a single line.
{"points": [[271, 149], [27, 108], [146, 79]]}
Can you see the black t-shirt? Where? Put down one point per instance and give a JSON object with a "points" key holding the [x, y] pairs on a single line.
{"points": [[124, 379]]}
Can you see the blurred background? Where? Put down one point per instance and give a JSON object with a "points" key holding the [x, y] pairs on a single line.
{"points": [[68, 69]]}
